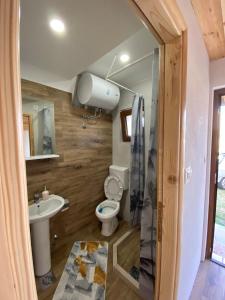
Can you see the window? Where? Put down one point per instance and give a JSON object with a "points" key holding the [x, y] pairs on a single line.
{"points": [[126, 117]]}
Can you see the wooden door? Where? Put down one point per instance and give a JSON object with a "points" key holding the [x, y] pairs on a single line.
{"points": [[17, 275], [214, 171]]}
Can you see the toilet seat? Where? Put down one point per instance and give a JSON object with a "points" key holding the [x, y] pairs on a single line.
{"points": [[113, 188], [107, 210]]}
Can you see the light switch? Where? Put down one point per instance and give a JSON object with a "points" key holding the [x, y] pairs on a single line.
{"points": [[187, 174]]}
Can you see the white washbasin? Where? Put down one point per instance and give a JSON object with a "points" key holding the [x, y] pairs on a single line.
{"points": [[45, 209]]}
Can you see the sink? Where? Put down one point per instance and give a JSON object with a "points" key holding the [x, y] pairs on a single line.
{"points": [[45, 209], [39, 216]]}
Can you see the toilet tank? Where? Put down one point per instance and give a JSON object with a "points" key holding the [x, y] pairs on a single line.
{"points": [[122, 173]]}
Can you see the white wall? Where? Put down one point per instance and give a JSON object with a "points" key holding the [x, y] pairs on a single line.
{"points": [[217, 73], [121, 150], [196, 136], [33, 73]]}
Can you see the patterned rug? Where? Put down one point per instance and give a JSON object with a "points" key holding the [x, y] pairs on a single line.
{"points": [[84, 276]]}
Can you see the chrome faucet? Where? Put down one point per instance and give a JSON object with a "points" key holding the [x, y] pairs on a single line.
{"points": [[37, 198]]}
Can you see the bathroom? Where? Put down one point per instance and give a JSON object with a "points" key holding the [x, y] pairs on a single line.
{"points": [[85, 143]]}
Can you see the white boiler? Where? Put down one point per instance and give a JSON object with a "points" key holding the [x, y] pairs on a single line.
{"points": [[97, 92]]}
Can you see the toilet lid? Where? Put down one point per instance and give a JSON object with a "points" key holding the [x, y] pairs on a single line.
{"points": [[113, 188]]}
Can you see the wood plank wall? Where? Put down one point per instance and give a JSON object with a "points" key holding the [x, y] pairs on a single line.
{"points": [[79, 173]]}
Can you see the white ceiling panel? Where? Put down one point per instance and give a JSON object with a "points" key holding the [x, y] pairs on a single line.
{"points": [[93, 28]]}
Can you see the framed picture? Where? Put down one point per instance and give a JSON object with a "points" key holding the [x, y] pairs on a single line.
{"points": [[126, 118]]}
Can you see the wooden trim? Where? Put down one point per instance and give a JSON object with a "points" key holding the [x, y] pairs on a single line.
{"points": [[180, 198], [160, 170], [165, 17], [168, 23], [123, 119], [17, 276], [222, 3], [213, 171], [29, 126], [172, 169], [141, 15], [134, 284]]}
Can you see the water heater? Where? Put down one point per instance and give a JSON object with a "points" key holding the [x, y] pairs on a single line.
{"points": [[97, 92]]}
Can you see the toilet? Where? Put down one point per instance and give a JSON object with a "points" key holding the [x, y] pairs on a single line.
{"points": [[107, 211]]}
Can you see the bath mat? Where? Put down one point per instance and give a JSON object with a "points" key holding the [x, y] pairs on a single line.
{"points": [[84, 275]]}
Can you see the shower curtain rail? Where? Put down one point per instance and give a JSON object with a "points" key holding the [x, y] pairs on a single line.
{"points": [[127, 66], [122, 86], [109, 74]]}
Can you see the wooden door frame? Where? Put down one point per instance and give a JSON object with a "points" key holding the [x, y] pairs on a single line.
{"points": [[213, 170], [17, 274], [165, 20]]}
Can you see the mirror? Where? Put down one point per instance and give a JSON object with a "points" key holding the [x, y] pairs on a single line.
{"points": [[38, 127]]}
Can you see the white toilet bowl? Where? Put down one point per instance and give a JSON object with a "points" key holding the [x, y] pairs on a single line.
{"points": [[107, 210]]}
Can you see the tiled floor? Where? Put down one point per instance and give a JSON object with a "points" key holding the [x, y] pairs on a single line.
{"points": [[116, 288]]}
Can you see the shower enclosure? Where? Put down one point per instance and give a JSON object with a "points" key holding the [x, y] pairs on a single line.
{"points": [[138, 267]]}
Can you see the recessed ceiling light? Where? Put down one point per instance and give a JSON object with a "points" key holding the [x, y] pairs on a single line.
{"points": [[57, 25], [124, 58]]}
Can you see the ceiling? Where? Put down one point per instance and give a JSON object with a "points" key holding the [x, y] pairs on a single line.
{"points": [[137, 46], [93, 28], [211, 17]]}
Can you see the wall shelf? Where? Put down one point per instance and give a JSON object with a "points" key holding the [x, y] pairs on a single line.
{"points": [[37, 157]]}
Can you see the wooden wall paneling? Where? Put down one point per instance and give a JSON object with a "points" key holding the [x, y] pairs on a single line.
{"points": [[17, 276], [209, 14], [82, 152]]}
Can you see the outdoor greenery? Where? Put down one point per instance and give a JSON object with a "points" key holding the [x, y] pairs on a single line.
{"points": [[220, 208]]}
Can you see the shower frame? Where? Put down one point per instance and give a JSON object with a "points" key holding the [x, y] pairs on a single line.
{"points": [[165, 21]]}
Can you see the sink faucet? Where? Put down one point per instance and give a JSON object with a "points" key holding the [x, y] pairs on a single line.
{"points": [[37, 198]]}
